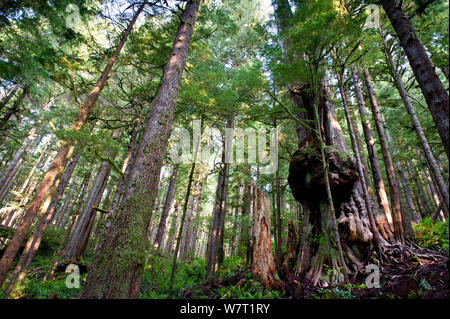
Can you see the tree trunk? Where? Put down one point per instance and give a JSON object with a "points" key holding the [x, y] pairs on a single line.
{"points": [[35, 240], [394, 190], [416, 123], [183, 217], [63, 153], [218, 212], [166, 208], [263, 263], [373, 158], [173, 229], [82, 229], [432, 89], [124, 241], [278, 247], [14, 163], [125, 168]]}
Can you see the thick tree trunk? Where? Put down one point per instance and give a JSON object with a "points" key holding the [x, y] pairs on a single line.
{"points": [[63, 153], [263, 263], [432, 89], [394, 190], [124, 241], [376, 235]]}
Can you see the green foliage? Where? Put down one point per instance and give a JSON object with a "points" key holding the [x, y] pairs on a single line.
{"points": [[231, 266], [251, 289], [339, 290], [433, 235], [156, 277]]}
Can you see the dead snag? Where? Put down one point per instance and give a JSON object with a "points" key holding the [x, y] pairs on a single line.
{"points": [[263, 266]]}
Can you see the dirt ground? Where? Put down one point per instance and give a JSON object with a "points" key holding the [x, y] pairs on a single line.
{"points": [[418, 280]]}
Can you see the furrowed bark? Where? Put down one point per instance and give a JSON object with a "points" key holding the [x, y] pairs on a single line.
{"points": [[388, 163], [432, 88], [125, 240]]}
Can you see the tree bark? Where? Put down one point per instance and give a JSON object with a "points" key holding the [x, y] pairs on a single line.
{"points": [[263, 263], [416, 123], [124, 241], [63, 153], [432, 88], [14, 162], [394, 190], [373, 157], [166, 208]]}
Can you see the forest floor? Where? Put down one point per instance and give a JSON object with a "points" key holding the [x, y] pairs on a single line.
{"points": [[417, 279], [406, 281]]}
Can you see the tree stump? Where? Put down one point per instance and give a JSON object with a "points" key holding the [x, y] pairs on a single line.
{"points": [[263, 265]]}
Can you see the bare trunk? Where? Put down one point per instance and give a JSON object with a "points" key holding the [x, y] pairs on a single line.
{"points": [[263, 263], [14, 163], [416, 124], [432, 89], [82, 229], [124, 241], [394, 190], [373, 158], [166, 208], [278, 246], [173, 229]]}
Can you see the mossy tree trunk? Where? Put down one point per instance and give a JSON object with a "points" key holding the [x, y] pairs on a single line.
{"points": [[119, 260]]}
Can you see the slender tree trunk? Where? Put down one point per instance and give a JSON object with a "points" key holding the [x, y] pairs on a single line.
{"points": [[180, 231], [416, 123], [124, 241], [14, 163], [432, 89], [212, 251], [394, 191], [34, 241], [82, 229], [8, 96], [173, 229], [166, 208], [125, 168], [373, 157], [278, 247], [235, 234]]}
